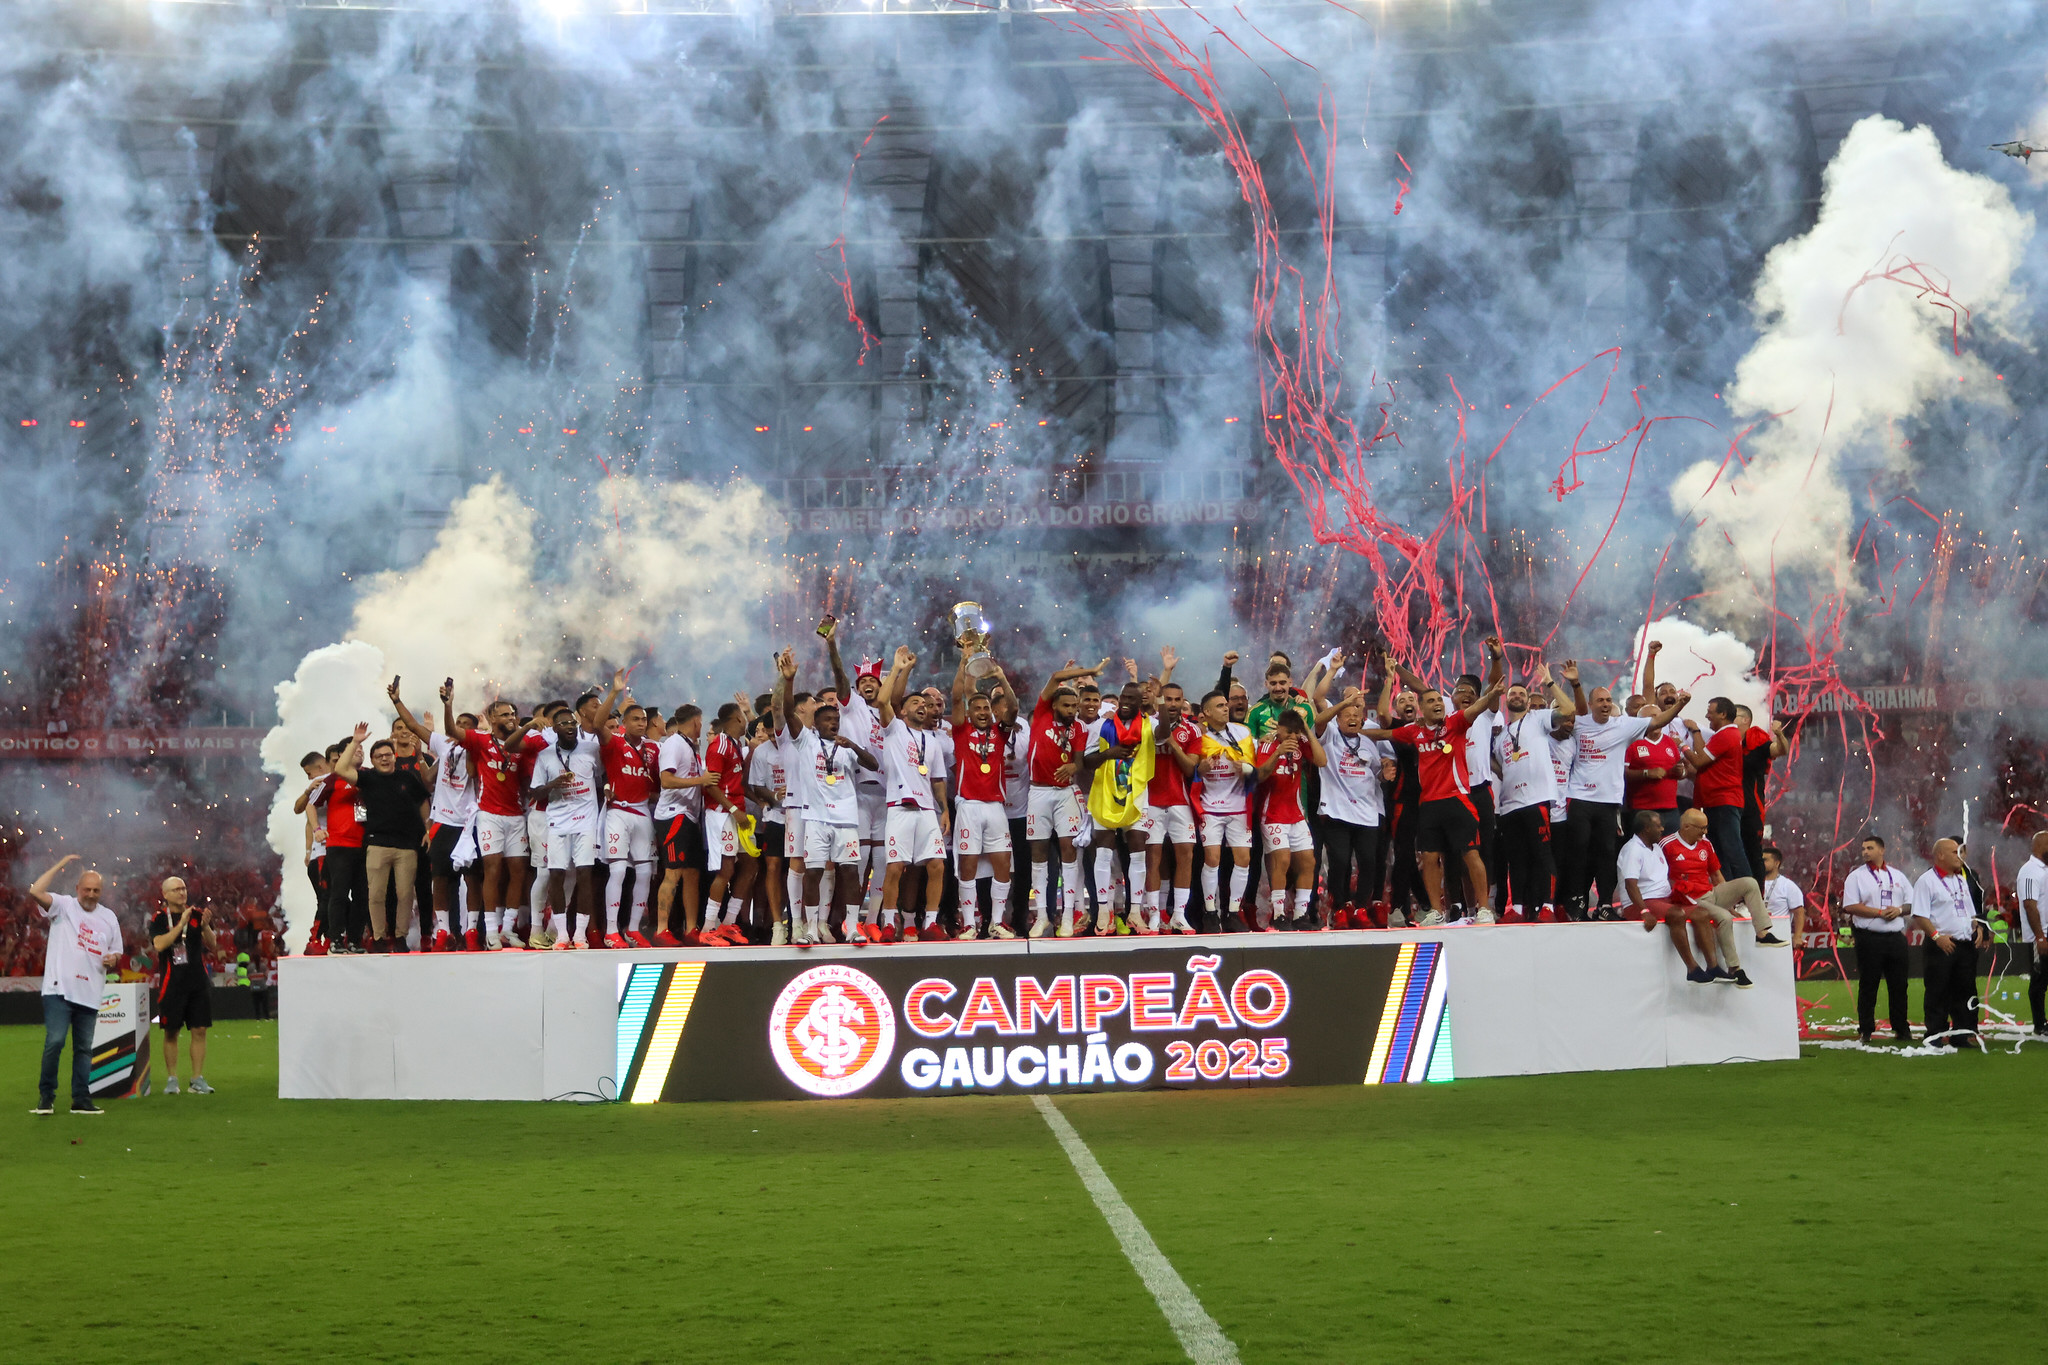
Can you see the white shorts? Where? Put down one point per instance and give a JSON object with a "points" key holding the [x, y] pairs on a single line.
{"points": [[721, 839], [874, 807], [1287, 838], [825, 843], [537, 836], [1231, 830], [1168, 824], [980, 827], [793, 832], [628, 836], [914, 836], [501, 836], [1052, 813], [569, 848]]}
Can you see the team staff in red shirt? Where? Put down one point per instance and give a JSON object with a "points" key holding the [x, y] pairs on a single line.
{"points": [[1717, 786], [348, 875], [1447, 826], [1653, 765], [1696, 879]]}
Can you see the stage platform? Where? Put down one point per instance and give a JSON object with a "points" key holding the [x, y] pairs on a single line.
{"points": [[1330, 1008]]}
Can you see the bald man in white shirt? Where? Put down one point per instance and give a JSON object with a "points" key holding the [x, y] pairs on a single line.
{"points": [[1946, 912]]}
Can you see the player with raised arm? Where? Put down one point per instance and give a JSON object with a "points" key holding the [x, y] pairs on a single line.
{"points": [[1170, 815], [732, 880], [767, 785], [1601, 736], [631, 762], [860, 719], [1524, 756], [1226, 764], [1447, 826], [824, 763], [450, 815], [917, 821], [679, 811], [564, 783], [1353, 802], [1054, 813], [1116, 740], [981, 823]]}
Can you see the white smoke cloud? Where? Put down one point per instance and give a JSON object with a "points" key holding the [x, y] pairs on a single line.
{"points": [[1841, 356], [1706, 663]]}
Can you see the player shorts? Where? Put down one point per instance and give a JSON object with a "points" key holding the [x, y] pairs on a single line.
{"points": [[501, 836], [1084, 833], [825, 844], [914, 835], [183, 1001], [628, 836], [682, 843], [1291, 837], [1449, 827], [1233, 830], [874, 812], [793, 834], [771, 837], [441, 842], [1052, 813], [569, 848], [721, 840], [1168, 824], [537, 837], [980, 827]]}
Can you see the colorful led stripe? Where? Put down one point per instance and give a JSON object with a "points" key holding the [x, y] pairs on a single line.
{"points": [[1431, 1021], [1396, 989], [639, 982], [683, 980]]}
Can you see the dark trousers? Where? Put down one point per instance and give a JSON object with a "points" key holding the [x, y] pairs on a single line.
{"points": [[348, 895], [1482, 803], [1353, 851], [1724, 832], [1407, 877], [1529, 872], [60, 1016], [2037, 990], [1880, 958], [1593, 836], [1950, 987], [1753, 843]]}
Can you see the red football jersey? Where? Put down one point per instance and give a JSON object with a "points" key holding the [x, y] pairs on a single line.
{"points": [[500, 785], [1720, 782], [344, 813], [978, 761], [1440, 755], [1169, 787], [1692, 867], [1052, 745], [629, 771], [1655, 793], [1282, 787], [724, 756]]}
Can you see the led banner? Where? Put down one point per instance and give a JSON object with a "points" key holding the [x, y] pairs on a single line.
{"points": [[120, 1040], [930, 1023]]}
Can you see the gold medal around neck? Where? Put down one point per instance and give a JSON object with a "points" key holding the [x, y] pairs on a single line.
{"points": [[984, 767], [921, 770], [831, 779]]}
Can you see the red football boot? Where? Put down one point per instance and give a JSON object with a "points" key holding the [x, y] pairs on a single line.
{"points": [[473, 940], [316, 948], [665, 939], [1341, 919], [1546, 915], [616, 941], [636, 939]]}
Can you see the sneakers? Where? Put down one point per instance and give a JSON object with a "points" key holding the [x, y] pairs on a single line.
{"points": [[1002, 930], [565, 943], [1397, 920], [616, 941], [87, 1108], [932, 933], [1485, 916], [1432, 919], [664, 939], [493, 941], [200, 1087], [1341, 918], [1105, 922], [1121, 925], [1722, 976], [44, 1107], [634, 938], [1040, 925], [1767, 939], [1547, 915], [1741, 979], [1179, 925], [445, 943], [472, 940], [171, 1085], [541, 939], [512, 940], [968, 933], [801, 937], [316, 948], [1512, 915], [777, 939], [1700, 976], [1066, 929]]}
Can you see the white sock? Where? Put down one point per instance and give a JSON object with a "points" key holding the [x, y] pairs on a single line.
{"points": [[491, 921], [818, 913], [582, 928], [1070, 884], [1180, 902], [1209, 876], [643, 882], [1301, 899], [889, 916], [931, 919], [1041, 873], [1000, 904], [1105, 876], [1239, 877], [1279, 900], [441, 922]]}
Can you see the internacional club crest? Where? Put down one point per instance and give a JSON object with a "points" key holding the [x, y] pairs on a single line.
{"points": [[832, 1030]]}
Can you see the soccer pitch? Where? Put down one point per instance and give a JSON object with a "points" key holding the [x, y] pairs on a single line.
{"points": [[1844, 1207]]}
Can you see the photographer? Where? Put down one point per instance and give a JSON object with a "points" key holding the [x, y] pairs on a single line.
{"points": [[183, 938]]}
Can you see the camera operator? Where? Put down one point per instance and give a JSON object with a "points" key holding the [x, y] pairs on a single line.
{"points": [[182, 937]]}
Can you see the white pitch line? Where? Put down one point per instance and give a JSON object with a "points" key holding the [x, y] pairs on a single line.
{"points": [[1199, 1335]]}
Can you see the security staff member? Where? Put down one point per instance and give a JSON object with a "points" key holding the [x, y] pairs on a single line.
{"points": [[183, 998], [1877, 899], [1944, 910]]}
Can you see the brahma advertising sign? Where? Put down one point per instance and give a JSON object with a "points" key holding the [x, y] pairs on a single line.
{"points": [[919, 1023]]}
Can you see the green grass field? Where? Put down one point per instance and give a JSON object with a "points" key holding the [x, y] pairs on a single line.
{"points": [[1847, 1207]]}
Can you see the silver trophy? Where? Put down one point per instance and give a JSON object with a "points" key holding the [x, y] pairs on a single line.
{"points": [[970, 629]]}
